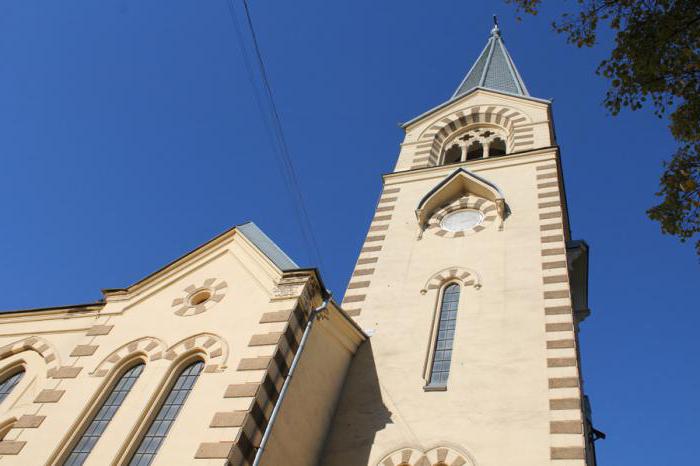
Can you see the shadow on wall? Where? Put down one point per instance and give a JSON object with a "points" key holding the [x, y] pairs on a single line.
{"points": [[360, 414]]}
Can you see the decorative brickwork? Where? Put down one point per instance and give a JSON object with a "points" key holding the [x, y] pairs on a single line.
{"points": [[431, 142], [562, 361], [368, 259]]}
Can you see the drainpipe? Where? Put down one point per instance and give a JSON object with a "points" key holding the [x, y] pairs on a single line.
{"points": [[285, 385]]}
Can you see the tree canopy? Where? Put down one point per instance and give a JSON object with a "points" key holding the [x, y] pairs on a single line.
{"points": [[655, 62]]}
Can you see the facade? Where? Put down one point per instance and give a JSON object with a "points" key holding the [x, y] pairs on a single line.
{"points": [[456, 343]]}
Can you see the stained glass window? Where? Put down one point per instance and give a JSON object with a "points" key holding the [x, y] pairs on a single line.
{"points": [[9, 383], [445, 336], [158, 430], [99, 423]]}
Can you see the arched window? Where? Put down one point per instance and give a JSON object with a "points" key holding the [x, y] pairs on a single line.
{"points": [[497, 147], [159, 427], [99, 423], [440, 369], [9, 383], [475, 151], [453, 154]]}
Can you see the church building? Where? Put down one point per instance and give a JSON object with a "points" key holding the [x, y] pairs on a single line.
{"points": [[456, 342]]}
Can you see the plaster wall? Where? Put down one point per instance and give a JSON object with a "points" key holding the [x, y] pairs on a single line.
{"points": [[496, 408]]}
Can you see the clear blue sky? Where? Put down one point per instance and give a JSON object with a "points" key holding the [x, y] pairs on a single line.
{"points": [[129, 135]]}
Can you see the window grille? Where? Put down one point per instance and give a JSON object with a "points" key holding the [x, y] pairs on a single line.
{"points": [[442, 356], [9, 383], [99, 423], [158, 430]]}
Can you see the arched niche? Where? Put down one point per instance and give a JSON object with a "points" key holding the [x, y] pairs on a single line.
{"points": [[460, 183]]}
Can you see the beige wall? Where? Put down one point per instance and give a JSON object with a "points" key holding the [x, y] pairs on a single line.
{"points": [[514, 316], [72, 356]]}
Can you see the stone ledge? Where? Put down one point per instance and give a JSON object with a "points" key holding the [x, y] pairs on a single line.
{"points": [[563, 382], [84, 350], [11, 447], [279, 316], [28, 421], [567, 453], [213, 450], [564, 403], [559, 327], [228, 419], [242, 390], [561, 362], [560, 344], [254, 364], [49, 396], [97, 330], [66, 372], [565, 427], [271, 338]]}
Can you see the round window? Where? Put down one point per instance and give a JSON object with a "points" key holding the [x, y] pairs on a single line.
{"points": [[461, 220]]}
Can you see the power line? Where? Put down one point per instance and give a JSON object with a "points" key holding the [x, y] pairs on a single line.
{"points": [[271, 119]]}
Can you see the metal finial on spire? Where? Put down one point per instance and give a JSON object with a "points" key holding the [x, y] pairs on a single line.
{"points": [[494, 69], [495, 31]]}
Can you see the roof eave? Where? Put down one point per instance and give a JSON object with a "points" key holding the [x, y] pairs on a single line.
{"points": [[471, 91]]}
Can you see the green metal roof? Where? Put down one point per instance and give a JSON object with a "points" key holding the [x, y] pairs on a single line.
{"points": [[494, 69]]}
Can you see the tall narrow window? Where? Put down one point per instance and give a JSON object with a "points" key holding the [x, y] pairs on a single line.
{"points": [[445, 336], [158, 430], [9, 383], [99, 423]]}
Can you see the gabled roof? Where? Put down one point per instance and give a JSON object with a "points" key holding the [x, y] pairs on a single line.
{"points": [[456, 184], [494, 69], [268, 247], [249, 230]]}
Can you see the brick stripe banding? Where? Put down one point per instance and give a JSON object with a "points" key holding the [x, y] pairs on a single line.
{"points": [[557, 310], [561, 362], [564, 403], [565, 427], [559, 327], [265, 339], [556, 294], [97, 330], [355, 285], [367, 260], [49, 396], [434, 140], [553, 252], [241, 390], [213, 450], [568, 453], [279, 316], [66, 372], [83, 350], [557, 344], [354, 298], [11, 447], [563, 382], [28, 421], [554, 260], [253, 422]]}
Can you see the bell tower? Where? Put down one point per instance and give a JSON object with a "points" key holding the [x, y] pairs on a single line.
{"points": [[472, 291]]}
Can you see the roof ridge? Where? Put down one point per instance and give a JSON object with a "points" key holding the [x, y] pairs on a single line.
{"points": [[493, 69]]}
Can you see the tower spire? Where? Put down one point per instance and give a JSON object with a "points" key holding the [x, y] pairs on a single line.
{"points": [[494, 69]]}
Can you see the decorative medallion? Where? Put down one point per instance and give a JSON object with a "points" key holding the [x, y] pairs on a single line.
{"points": [[200, 298], [467, 215]]}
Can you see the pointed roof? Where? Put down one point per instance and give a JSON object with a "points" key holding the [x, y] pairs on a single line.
{"points": [[494, 69]]}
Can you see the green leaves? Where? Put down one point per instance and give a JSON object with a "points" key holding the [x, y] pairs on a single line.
{"points": [[655, 61]]}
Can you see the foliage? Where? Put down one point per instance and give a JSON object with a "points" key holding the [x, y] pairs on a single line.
{"points": [[656, 61]]}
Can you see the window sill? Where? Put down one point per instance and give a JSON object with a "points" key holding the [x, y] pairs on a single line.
{"points": [[435, 388]]}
